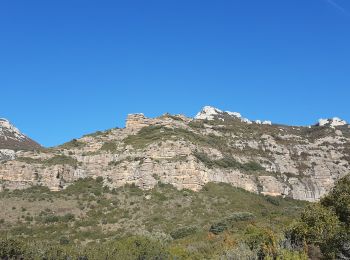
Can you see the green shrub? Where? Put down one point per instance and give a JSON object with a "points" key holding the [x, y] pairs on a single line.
{"points": [[183, 232], [64, 240], [109, 147], [72, 144], [263, 240], [228, 222], [134, 248], [338, 200], [99, 179], [51, 219], [12, 249], [317, 226], [273, 200], [61, 159], [239, 216], [28, 160], [228, 162], [68, 217], [28, 218], [151, 134], [96, 134], [219, 227], [253, 166]]}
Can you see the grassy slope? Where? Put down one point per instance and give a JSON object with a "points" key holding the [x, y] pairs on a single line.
{"points": [[86, 213]]}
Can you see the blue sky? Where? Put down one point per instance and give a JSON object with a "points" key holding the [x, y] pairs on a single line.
{"points": [[68, 68]]}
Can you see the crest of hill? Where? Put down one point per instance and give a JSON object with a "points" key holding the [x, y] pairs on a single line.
{"points": [[11, 138], [216, 146]]}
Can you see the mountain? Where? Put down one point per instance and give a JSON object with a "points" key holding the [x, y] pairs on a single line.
{"points": [[212, 113], [11, 140], [215, 146]]}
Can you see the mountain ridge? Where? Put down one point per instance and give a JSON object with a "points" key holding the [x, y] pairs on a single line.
{"points": [[217, 146], [12, 140]]}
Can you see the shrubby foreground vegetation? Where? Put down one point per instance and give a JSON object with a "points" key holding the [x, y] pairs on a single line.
{"points": [[90, 221]]}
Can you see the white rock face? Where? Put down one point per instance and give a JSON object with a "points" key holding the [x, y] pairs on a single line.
{"points": [[6, 154], [11, 138], [235, 114], [245, 120], [335, 121], [6, 126], [208, 113], [259, 122]]}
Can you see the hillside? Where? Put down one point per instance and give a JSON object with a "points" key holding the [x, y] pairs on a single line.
{"points": [[89, 219], [261, 157]]}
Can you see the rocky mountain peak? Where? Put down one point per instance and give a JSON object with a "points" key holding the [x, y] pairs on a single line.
{"points": [[209, 113], [11, 138], [212, 113], [6, 127], [332, 122]]}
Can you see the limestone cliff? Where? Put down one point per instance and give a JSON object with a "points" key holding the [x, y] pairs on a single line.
{"points": [[216, 146]]}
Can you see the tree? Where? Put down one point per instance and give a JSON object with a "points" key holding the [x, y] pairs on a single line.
{"points": [[262, 240], [327, 224], [339, 200], [317, 225]]}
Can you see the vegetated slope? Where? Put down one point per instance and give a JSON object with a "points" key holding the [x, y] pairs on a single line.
{"points": [[87, 217], [216, 146]]}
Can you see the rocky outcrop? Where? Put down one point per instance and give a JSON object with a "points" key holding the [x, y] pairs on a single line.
{"points": [[212, 113], [11, 140], [7, 154], [137, 121], [332, 122], [297, 162]]}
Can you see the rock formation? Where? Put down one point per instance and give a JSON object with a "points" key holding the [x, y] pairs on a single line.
{"points": [[216, 146], [11, 140]]}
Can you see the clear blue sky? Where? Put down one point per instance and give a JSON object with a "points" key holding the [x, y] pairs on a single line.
{"points": [[68, 68]]}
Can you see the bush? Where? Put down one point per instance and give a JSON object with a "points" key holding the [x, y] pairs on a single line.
{"points": [[326, 224], [183, 232], [317, 226], [219, 227], [109, 147], [99, 179], [263, 240], [253, 166], [72, 144], [64, 240], [239, 216], [12, 249], [229, 221], [131, 248], [61, 159], [68, 217], [51, 219], [28, 160], [227, 162], [338, 200], [272, 200]]}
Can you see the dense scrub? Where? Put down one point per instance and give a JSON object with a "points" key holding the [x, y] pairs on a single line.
{"points": [[88, 220], [323, 228]]}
